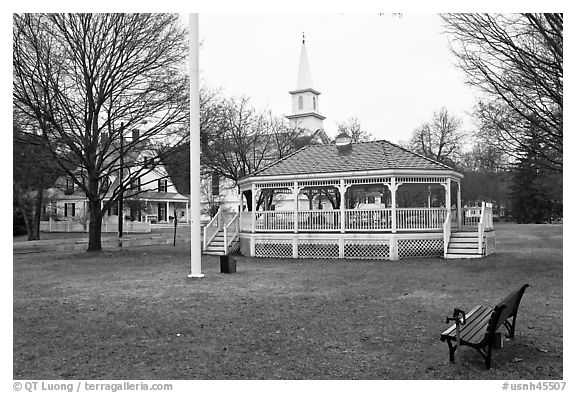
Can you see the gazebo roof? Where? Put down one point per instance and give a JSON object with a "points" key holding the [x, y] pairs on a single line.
{"points": [[359, 156]]}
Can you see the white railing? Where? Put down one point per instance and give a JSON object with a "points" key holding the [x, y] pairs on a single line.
{"points": [[420, 218], [447, 232], [231, 232], [368, 220], [211, 229], [485, 223], [108, 226], [471, 215], [274, 221], [319, 220]]}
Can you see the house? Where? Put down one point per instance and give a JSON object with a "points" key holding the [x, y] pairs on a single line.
{"points": [[151, 198]]}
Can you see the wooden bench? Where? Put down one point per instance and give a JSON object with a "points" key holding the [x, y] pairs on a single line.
{"points": [[482, 323]]}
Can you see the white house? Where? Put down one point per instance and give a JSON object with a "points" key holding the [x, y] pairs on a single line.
{"points": [[150, 199]]}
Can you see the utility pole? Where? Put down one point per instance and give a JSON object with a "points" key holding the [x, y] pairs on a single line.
{"points": [[121, 191]]}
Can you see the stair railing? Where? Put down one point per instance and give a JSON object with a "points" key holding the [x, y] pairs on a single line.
{"points": [[481, 227], [447, 232], [231, 231], [211, 229]]}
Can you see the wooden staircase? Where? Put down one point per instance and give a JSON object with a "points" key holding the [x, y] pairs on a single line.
{"points": [[216, 246], [464, 244], [222, 235]]}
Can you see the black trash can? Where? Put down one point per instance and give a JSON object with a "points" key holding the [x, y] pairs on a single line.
{"points": [[227, 264]]}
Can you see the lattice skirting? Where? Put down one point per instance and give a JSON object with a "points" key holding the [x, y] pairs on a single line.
{"points": [[266, 248], [420, 248], [318, 249], [350, 247], [366, 249], [490, 243]]}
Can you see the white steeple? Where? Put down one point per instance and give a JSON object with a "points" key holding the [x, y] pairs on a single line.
{"points": [[305, 100], [304, 76]]}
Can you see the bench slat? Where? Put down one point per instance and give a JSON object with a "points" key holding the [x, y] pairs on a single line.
{"points": [[477, 330], [452, 329]]}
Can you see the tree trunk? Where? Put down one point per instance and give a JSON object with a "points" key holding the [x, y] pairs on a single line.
{"points": [[25, 213], [95, 227], [35, 227]]}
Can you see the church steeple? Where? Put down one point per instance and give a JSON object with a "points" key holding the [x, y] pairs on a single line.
{"points": [[304, 76], [305, 100]]}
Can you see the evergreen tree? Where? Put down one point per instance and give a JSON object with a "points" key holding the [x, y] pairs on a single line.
{"points": [[536, 191]]}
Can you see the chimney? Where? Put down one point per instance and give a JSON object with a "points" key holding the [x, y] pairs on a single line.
{"points": [[343, 143]]}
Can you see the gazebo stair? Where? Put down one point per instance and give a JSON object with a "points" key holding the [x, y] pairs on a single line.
{"points": [[216, 246], [463, 245]]}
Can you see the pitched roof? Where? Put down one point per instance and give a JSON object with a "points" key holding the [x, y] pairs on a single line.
{"points": [[360, 156]]}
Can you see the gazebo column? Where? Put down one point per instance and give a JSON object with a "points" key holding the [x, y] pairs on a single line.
{"points": [[342, 189], [253, 189], [459, 204], [448, 196], [393, 187], [295, 192]]}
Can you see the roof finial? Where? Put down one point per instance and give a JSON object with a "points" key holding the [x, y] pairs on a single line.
{"points": [[303, 39]]}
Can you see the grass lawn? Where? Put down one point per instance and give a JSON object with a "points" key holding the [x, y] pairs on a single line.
{"points": [[133, 314]]}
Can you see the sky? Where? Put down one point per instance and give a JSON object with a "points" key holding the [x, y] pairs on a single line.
{"points": [[389, 72]]}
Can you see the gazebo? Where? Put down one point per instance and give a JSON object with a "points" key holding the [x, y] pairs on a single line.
{"points": [[365, 200]]}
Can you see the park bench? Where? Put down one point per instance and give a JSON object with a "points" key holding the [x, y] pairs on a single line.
{"points": [[479, 330]]}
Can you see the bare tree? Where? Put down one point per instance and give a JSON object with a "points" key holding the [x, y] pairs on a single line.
{"points": [[87, 79], [517, 61], [441, 139], [354, 130], [239, 140]]}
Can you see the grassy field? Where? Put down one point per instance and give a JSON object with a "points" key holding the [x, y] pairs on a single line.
{"points": [[133, 314]]}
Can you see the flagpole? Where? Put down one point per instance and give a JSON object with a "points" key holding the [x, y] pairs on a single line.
{"points": [[195, 249]]}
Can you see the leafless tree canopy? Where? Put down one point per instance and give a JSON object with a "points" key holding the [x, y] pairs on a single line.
{"points": [[517, 61], [238, 140], [440, 139], [354, 130], [86, 79]]}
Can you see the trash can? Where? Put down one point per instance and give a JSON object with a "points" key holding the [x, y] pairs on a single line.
{"points": [[227, 264]]}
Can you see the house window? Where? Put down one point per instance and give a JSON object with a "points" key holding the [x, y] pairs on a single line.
{"points": [[215, 184], [371, 199], [162, 211], [105, 184], [300, 102], [69, 186], [135, 185], [69, 210], [314, 102], [162, 185]]}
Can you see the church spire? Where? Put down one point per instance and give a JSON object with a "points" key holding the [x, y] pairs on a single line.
{"points": [[304, 80], [305, 100]]}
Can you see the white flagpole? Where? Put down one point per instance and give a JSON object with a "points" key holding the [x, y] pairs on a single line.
{"points": [[195, 250]]}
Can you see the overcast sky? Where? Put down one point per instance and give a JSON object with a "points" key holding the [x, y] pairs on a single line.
{"points": [[390, 72]]}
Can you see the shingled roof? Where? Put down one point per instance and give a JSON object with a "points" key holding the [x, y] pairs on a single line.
{"points": [[360, 156]]}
